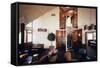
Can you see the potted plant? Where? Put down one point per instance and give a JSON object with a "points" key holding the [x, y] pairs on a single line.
{"points": [[51, 37]]}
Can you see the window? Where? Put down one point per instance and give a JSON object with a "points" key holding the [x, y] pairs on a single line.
{"points": [[28, 32]]}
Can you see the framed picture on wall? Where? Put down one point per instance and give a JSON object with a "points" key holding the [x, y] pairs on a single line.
{"points": [[43, 33]]}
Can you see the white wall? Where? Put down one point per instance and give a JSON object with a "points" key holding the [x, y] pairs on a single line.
{"points": [[86, 16], [51, 23]]}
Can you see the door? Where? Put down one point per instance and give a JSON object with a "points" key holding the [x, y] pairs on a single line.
{"points": [[76, 38]]}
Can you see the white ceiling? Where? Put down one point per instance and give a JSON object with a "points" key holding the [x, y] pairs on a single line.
{"points": [[31, 12]]}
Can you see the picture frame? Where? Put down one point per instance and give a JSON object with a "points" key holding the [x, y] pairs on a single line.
{"points": [[31, 24]]}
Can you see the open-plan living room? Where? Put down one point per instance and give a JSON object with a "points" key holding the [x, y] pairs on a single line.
{"points": [[56, 34]]}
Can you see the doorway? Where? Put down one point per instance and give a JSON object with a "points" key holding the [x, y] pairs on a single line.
{"points": [[68, 22]]}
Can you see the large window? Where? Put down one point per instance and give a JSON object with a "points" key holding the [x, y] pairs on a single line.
{"points": [[28, 32]]}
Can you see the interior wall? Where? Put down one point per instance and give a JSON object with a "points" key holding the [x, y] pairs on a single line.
{"points": [[46, 21], [86, 16]]}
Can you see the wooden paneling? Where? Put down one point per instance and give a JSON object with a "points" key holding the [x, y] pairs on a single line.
{"points": [[60, 39], [64, 12]]}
